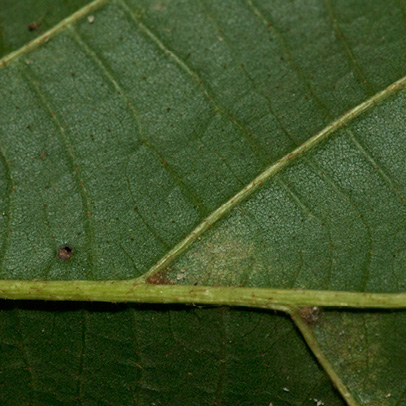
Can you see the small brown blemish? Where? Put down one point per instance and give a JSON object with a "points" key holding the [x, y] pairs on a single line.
{"points": [[65, 252], [310, 314], [159, 278], [292, 155], [34, 26]]}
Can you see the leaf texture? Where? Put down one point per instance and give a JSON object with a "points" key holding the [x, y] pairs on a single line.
{"points": [[130, 125]]}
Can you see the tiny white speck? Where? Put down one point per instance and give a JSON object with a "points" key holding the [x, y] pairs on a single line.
{"points": [[90, 19], [286, 389]]}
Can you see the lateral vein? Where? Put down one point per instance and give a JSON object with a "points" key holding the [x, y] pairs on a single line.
{"points": [[79, 14], [268, 173]]}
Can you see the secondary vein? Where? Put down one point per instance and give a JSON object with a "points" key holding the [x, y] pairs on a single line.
{"points": [[52, 32], [269, 172]]}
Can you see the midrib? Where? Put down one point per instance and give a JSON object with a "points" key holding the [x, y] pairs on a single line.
{"points": [[129, 291]]}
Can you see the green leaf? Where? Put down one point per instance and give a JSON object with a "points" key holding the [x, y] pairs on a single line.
{"points": [[22, 21], [243, 154]]}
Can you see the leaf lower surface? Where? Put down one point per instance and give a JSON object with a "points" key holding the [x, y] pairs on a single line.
{"points": [[23, 21], [121, 135]]}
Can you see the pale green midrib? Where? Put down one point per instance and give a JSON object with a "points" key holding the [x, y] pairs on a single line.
{"points": [[79, 14], [131, 291], [268, 173]]}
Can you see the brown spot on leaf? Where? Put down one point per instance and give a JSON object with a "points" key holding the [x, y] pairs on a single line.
{"points": [[159, 278], [65, 252], [34, 26], [310, 314]]}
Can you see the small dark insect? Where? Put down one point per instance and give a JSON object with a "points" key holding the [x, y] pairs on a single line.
{"points": [[65, 252], [33, 26]]}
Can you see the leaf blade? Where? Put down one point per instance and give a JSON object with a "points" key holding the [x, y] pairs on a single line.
{"points": [[261, 116]]}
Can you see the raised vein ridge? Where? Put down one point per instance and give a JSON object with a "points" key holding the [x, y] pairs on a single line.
{"points": [[77, 15], [268, 173]]}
